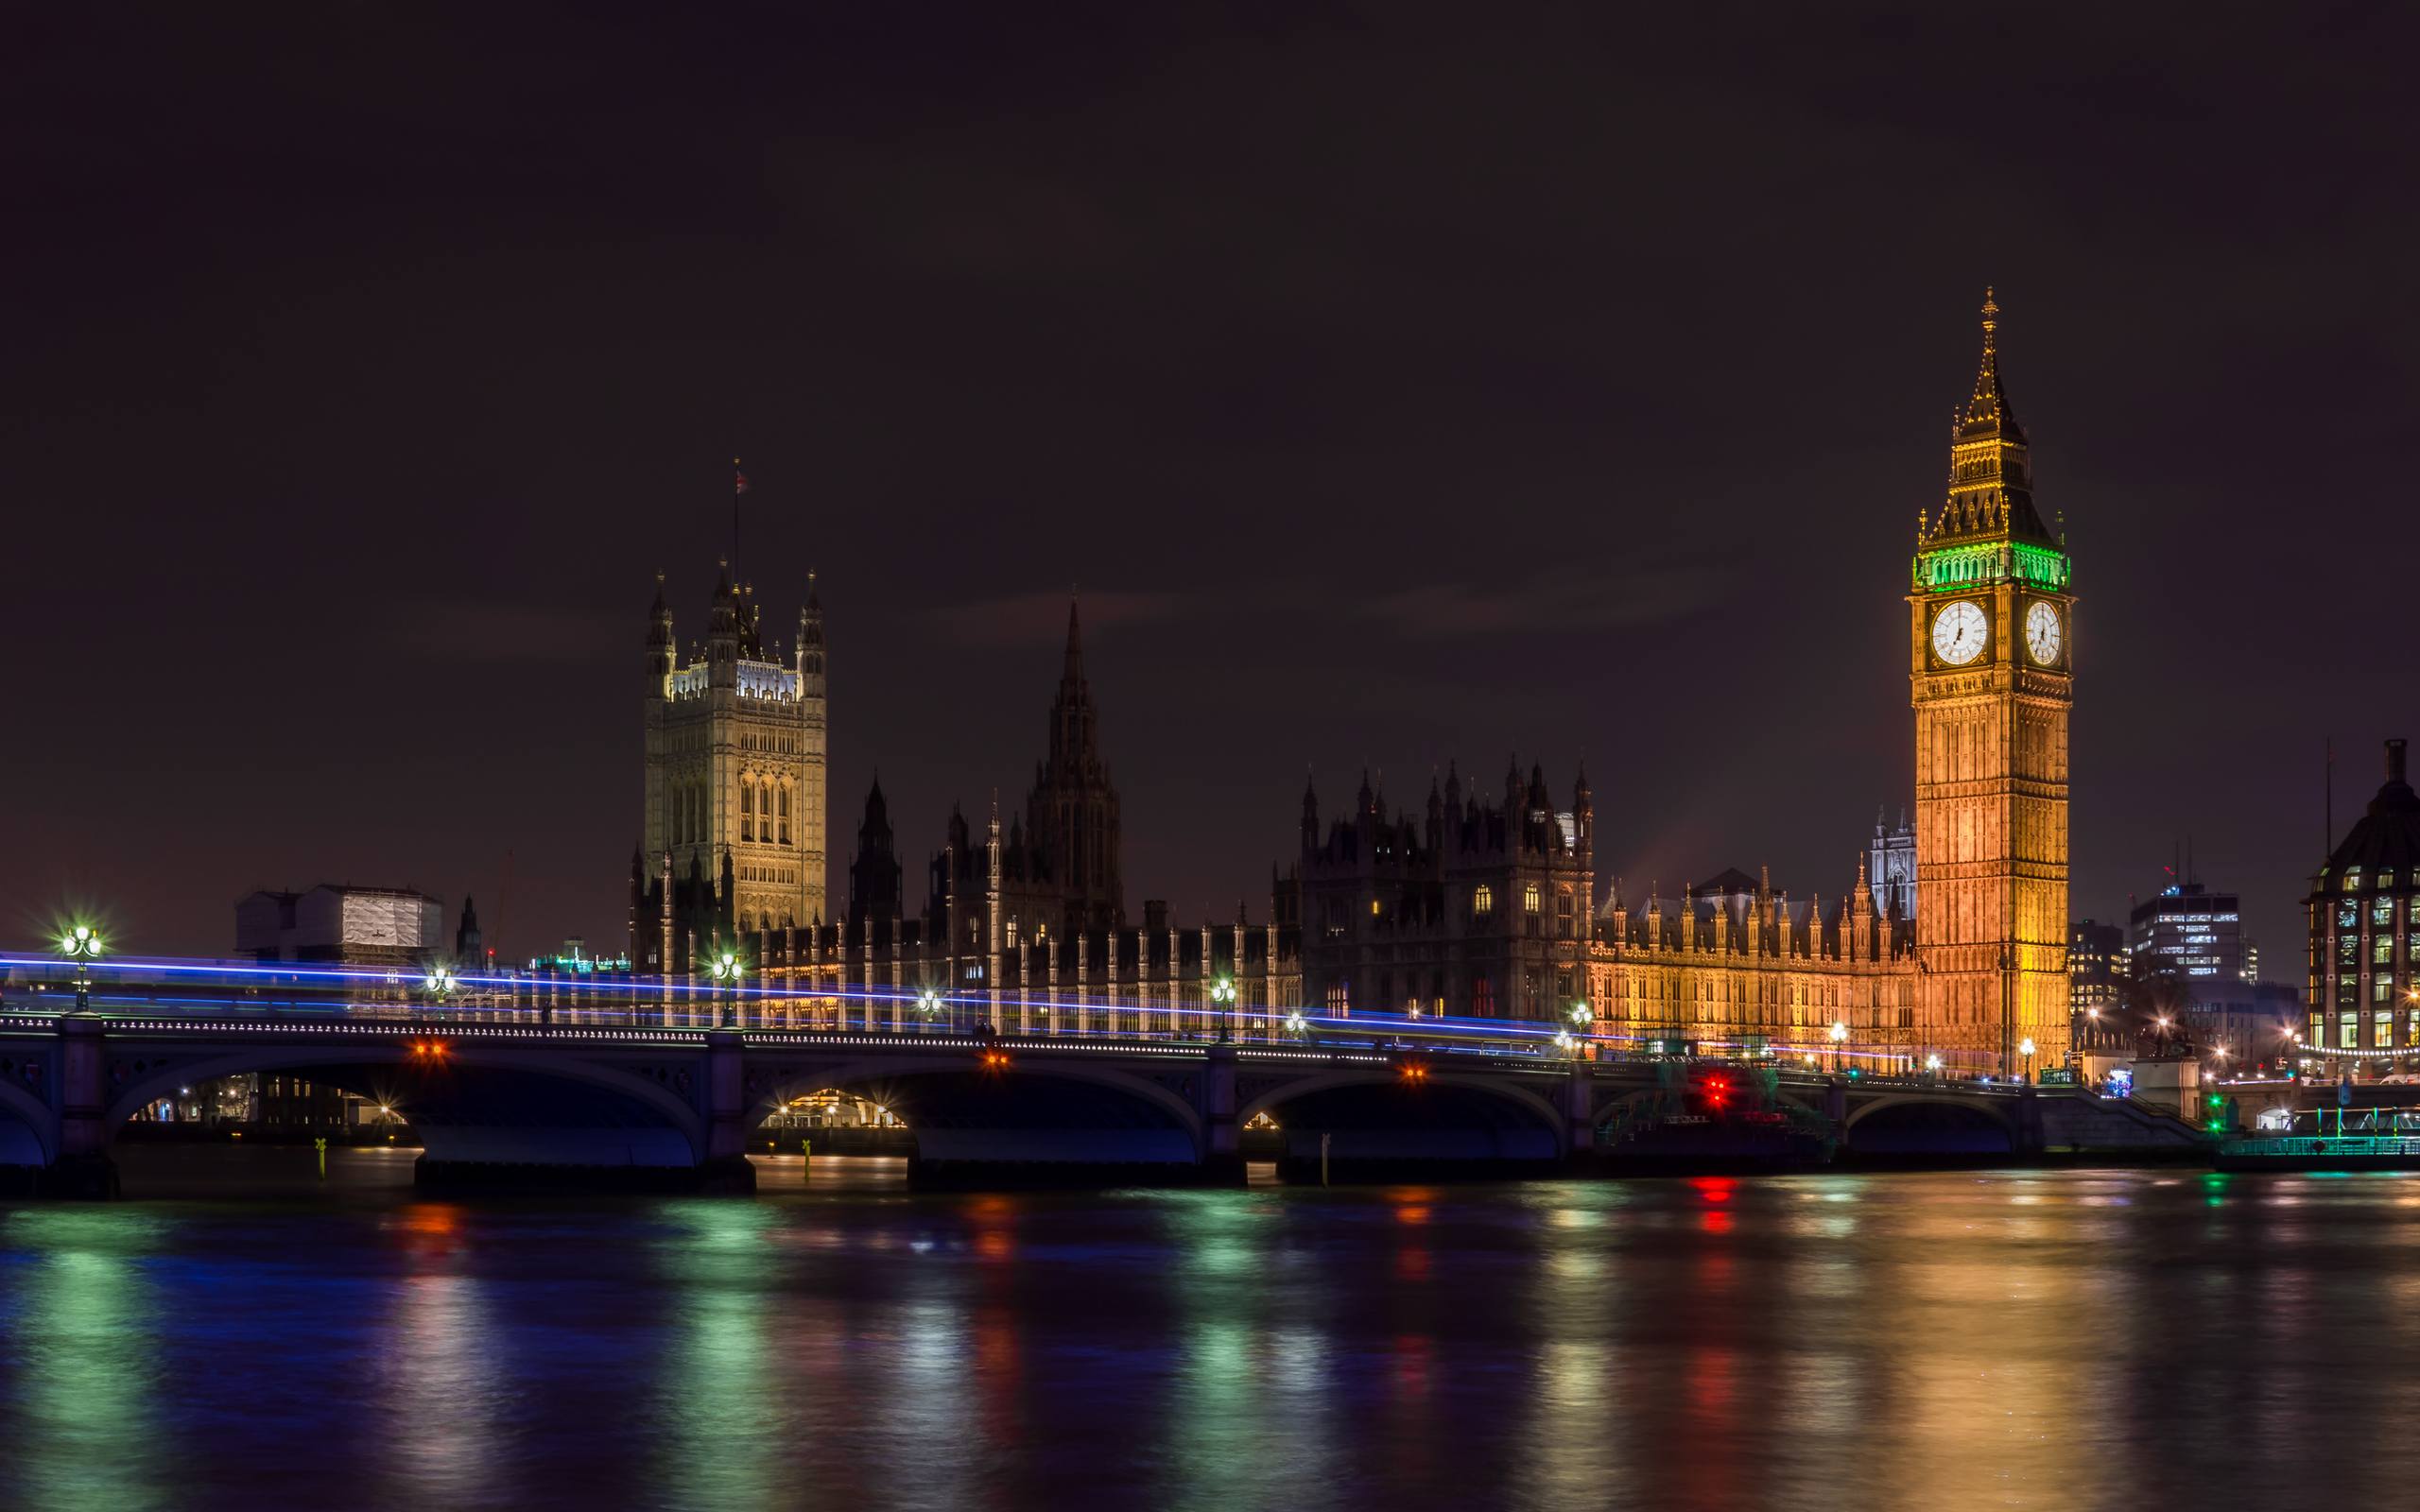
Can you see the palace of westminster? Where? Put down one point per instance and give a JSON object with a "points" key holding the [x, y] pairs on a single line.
{"points": [[1484, 904]]}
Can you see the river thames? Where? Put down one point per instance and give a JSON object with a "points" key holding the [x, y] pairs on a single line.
{"points": [[248, 1336]]}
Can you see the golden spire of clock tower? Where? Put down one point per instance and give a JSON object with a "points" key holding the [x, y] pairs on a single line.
{"points": [[1990, 474]]}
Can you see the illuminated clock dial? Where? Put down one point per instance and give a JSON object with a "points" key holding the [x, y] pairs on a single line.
{"points": [[1959, 632], [2042, 633]]}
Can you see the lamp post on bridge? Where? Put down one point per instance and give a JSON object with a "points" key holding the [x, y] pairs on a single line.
{"points": [[1223, 992], [2025, 1048], [439, 983], [726, 974], [82, 945], [928, 1004], [1839, 1038]]}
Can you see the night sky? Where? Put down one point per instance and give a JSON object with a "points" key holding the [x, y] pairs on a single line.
{"points": [[1392, 384]]}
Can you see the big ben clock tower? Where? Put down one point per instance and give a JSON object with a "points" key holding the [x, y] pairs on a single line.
{"points": [[1991, 673]]}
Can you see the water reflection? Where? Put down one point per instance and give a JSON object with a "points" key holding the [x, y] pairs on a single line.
{"points": [[2060, 1338], [81, 1350], [715, 1410]]}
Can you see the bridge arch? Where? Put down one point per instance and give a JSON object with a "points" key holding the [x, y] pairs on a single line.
{"points": [[662, 1126], [1496, 1088], [28, 1128], [1929, 1123], [1040, 1110]]}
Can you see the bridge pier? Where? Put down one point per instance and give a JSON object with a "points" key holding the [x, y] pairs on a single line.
{"points": [[1222, 1160], [724, 1169], [1580, 1117], [82, 1167]]}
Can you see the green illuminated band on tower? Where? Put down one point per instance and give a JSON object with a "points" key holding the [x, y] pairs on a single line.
{"points": [[1947, 569]]}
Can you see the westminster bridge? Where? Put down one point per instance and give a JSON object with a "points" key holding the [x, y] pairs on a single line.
{"points": [[653, 1101]]}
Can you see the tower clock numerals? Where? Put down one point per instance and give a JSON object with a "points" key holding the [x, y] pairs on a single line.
{"points": [[2042, 633], [1959, 632]]}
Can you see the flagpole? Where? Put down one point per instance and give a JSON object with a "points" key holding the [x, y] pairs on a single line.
{"points": [[736, 486]]}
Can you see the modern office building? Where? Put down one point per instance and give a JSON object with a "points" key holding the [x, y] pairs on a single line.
{"points": [[2190, 931]]}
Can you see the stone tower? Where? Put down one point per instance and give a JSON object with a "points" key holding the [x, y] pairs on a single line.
{"points": [[1991, 676], [1072, 813], [735, 750]]}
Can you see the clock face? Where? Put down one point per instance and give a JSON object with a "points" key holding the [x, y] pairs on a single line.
{"points": [[2042, 633], [1959, 632]]}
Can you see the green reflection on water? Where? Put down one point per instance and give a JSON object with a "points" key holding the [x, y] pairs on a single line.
{"points": [[85, 1348], [720, 1447]]}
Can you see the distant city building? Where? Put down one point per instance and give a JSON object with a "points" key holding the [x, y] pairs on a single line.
{"points": [[2192, 932], [2098, 962], [1891, 869], [2364, 917], [379, 926]]}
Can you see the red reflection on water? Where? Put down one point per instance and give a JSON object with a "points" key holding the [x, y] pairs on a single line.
{"points": [[1412, 1264], [1412, 1365], [1715, 1222], [1715, 1188]]}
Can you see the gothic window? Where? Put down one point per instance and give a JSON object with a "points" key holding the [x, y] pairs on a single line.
{"points": [[1483, 993], [783, 795], [747, 810], [1340, 997], [1562, 913], [1531, 899], [1009, 929], [1482, 899]]}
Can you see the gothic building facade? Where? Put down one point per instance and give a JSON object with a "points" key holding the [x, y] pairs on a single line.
{"points": [[731, 824], [1489, 911], [1477, 909]]}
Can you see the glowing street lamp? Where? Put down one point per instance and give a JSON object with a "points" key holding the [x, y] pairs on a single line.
{"points": [[2025, 1048], [1839, 1036], [439, 983], [725, 968], [1223, 992], [1297, 1024], [928, 1004], [82, 945], [1581, 1014], [1932, 1064], [1563, 1042]]}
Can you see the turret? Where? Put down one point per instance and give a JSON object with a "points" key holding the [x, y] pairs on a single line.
{"points": [[722, 633], [658, 644], [810, 643], [1583, 814]]}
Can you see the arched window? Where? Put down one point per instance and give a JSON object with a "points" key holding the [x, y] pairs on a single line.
{"points": [[783, 795], [1482, 899], [746, 809], [1482, 996]]}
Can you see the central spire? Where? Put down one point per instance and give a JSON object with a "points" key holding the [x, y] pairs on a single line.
{"points": [[1072, 675], [1990, 497]]}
